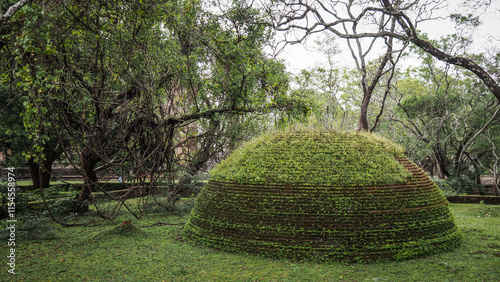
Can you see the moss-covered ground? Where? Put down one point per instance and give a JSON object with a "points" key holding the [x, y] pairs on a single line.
{"points": [[156, 252]]}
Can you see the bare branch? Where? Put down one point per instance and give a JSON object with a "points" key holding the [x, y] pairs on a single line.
{"points": [[338, 17], [493, 117], [427, 47]]}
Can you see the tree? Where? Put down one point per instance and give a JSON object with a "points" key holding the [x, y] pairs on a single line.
{"points": [[449, 113], [141, 89], [337, 91], [491, 163], [17, 144], [13, 138], [309, 17], [332, 93], [386, 64]]}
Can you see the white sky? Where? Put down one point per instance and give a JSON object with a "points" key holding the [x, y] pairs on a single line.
{"points": [[486, 36]]}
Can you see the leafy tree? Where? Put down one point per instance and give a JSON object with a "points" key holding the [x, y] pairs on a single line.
{"points": [[13, 139], [449, 113], [338, 92], [332, 94], [40, 148], [363, 19], [141, 89]]}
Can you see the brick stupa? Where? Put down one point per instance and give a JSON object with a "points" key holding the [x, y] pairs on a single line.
{"points": [[324, 196]]}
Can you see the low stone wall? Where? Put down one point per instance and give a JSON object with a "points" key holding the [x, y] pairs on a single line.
{"points": [[474, 199]]}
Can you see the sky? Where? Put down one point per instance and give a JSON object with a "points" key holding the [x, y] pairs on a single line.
{"points": [[487, 35]]}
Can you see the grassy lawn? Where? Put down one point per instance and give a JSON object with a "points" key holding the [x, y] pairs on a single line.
{"points": [[29, 182], [157, 252]]}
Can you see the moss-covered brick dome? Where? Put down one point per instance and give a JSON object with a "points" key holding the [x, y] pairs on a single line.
{"points": [[322, 196]]}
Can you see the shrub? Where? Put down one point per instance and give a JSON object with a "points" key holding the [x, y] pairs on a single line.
{"points": [[459, 186], [63, 206], [29, 226], [21, 201]]}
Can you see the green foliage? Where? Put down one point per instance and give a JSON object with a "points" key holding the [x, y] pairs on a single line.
{"points": [[469, 20], [60, 199], [355, 217], [126, 228], [63, 206], [21, 200], [31, 227], [459, 186], [333, 94], [144, 86], [13, 138], [447, 119], [444, 186], [160, 254], [314, 158]]}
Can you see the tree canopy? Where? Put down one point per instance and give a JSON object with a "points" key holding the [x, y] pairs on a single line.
{"points": [[140, 88], [155, 92]]}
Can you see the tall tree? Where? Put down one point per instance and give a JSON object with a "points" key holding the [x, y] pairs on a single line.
{"points": [[130, 85], [19, 60], [449, 114], [310, 17]]}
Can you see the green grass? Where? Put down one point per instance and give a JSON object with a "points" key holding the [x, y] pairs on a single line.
{"points": [[158, 253], [29, 182]]}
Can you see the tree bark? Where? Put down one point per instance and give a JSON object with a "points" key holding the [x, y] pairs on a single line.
{"points": [[41, 174], [363, 124], [12, 10], [89, 160], [441, 163], [363, 115]]}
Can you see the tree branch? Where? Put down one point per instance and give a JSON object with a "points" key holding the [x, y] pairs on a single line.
{"points": [[427, 47], [479, 132], [13, 10], [297, 15], [174, 121]]}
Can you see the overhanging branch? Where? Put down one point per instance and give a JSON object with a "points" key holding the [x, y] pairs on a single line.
{"points": [[175, 121]]}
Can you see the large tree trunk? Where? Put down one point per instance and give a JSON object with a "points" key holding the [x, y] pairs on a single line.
{"points": [[88, 160], [41, 174], [35, 174], [363, 117], [458, 160], [442, 162]]}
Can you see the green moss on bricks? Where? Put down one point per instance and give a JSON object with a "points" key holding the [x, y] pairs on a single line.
{"points": [[314, 158], [322, 196]]}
